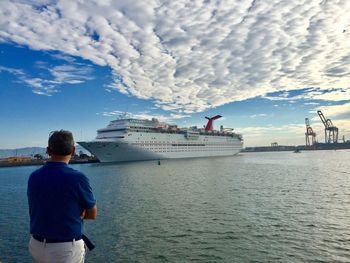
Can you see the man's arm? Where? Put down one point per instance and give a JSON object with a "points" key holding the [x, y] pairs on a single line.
{"points": [[89, 213]]}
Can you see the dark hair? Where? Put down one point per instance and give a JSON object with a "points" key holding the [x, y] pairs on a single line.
{"points": [[61, 142]]}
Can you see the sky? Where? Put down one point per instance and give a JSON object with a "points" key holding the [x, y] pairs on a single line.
{"points": [[264, 66]]}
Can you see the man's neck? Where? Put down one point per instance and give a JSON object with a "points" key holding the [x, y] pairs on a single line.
{"points": [[61, 159]]}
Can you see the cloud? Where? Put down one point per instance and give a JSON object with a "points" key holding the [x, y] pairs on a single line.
{"points": [[13, 71], [73, 73], [195, 55], [258, 115], [70, 74], [39, 86], [291, 134], [333, 94], [144, 115], [294, 134], [311, 103], [337, 112]]}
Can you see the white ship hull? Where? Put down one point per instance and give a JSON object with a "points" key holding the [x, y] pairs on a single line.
{"points": [[153, 146]]}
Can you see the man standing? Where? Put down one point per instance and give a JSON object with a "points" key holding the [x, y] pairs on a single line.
{"points": [[59, 199]]}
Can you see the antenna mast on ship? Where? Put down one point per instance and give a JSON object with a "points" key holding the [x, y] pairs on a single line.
{"points": [[123, 115]]}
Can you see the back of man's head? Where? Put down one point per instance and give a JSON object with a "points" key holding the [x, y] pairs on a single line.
{"points": [[61, 142]]}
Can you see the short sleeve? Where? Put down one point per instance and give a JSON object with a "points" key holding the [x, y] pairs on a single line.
{"points": [[87, 198]]}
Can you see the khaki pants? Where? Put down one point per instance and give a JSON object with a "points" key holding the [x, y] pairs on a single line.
{"points": [[67, 252]]}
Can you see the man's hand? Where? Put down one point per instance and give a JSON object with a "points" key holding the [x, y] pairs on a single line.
{"points": [[82, 214], [89, 213]]}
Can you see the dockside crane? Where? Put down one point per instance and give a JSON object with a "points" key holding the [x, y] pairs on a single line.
{"points": [[330, 131], [309, 133]]}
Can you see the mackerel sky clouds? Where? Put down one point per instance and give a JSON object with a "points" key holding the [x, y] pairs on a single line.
{"points": [[181, 60]]}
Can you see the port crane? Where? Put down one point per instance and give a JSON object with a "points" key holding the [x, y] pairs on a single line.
{"points": [[330, 131], [309, 133]]}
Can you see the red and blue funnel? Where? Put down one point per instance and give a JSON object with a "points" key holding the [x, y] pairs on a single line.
{"points": [[210, 126]]}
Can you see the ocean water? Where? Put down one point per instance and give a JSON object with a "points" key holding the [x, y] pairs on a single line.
{"points": [[254, 207]]}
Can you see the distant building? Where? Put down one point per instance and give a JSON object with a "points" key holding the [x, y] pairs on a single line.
{"points": [[16, 159]]}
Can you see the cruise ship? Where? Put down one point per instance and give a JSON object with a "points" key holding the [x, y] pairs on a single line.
{"points": [[130, 139]]}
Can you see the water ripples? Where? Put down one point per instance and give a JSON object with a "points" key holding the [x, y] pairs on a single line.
{"points": [[256, 207]]}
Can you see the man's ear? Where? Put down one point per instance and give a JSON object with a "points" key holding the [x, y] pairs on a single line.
{"points": [[73, 151], [48, 151]]}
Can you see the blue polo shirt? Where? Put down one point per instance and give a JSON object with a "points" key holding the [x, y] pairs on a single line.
{"points": [[57, 194]]}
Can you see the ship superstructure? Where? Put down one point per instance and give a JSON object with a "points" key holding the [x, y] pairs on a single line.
{"points": [[130, 139]]}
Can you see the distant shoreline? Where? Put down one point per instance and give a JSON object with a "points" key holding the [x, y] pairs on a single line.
{"points": [[279, 148], [315, 147]]}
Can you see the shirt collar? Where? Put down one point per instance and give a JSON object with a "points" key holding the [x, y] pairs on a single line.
{"points": [[53, 163]]}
